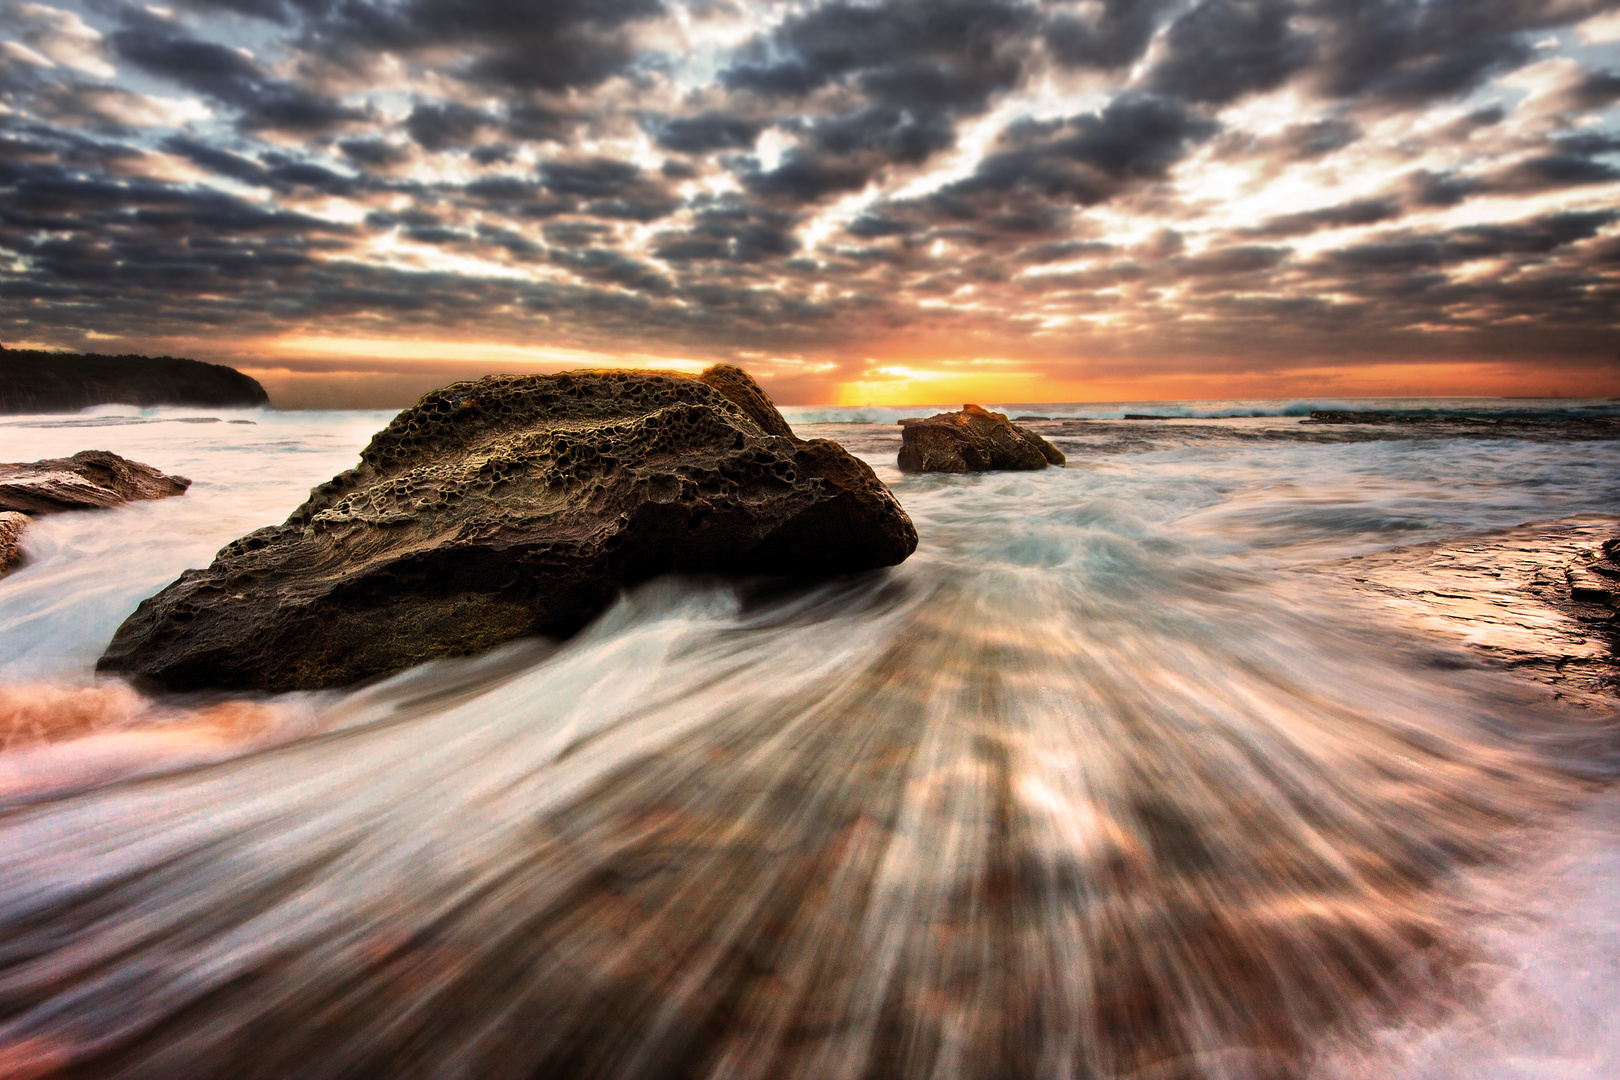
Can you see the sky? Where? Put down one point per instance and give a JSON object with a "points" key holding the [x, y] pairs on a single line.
{"points": [[899, 202]]}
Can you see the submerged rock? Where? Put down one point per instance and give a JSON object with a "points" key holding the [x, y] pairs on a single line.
{"points": [[514, 506], [12, 525], [973, 440], [32, 381], [90, 479]]}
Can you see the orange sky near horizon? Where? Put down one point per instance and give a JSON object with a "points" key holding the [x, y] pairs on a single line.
{"points": [[302, 371], [897, 385]]}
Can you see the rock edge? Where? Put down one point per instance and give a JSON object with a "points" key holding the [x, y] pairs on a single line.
{"points": [[509, 507], [972, 440]]}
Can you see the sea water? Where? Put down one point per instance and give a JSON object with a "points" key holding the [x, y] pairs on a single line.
{"points": [[1091, 786]]}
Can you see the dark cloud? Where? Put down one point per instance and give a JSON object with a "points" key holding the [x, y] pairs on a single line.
{"points": [[610, 267], [446, 126], [591, 178], [729, 230], [1408, 53], [538, 122], [1306, 141], [707, 132], [81, 104], [1430, 189], [576, 233], [265, 102], [281, 172], [611, 188], [219, 161], [1086, 159], [516, 196], [515, 244], [1359, 212], [1232, 261], [844, 153], [140, 252], [1222, 50], [929, 54], [919, 66], [374, 152], [1412, 251], [551, 47], [1112, 35], [875, 226], [1592, 90], [1037, 254], [493, 154], [1303, 142], [414, 218], [1549, 172]]}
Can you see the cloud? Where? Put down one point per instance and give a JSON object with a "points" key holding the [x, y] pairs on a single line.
{"points": [[1345, 215], [1086, 159], [1160, 179], [1112, 34], [448, 125], [610, 188], [730, 231], [111, 107], [374, 153], [1406, 53], [1410, 250], [64, 38], [1589, 91], [1572, 161], [264, 102], [844, 153], [1223, 50], [707, 132], [934, 55], [499, 44], [918, 66]]}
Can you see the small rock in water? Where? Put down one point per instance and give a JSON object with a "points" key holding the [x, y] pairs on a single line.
{"points": [[973, 440], [12, 525], [88, 480], [509, 507]]}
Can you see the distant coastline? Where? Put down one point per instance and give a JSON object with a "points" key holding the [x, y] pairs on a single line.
{"points": [[35, 381]]}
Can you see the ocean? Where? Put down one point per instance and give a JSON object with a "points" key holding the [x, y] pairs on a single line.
{"points": [[1097, 784]]}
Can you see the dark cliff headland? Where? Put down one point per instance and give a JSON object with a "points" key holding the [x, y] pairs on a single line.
{"points": [[34, 381]]}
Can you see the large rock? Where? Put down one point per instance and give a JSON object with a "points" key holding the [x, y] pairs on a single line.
{"points": [[12, 525], [89, 480], [37, 382], [973, 440], [513, 506]]}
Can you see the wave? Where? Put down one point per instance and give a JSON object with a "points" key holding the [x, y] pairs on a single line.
{"points": [[1551, 409], [1084, 788], [918, 824]]}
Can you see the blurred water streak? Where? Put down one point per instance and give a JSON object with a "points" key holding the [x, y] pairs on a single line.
{"points": [[1080, 791]]}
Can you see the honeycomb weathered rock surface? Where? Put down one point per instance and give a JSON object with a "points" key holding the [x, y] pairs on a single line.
{"points": [[973, 440], [513, 506]]}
